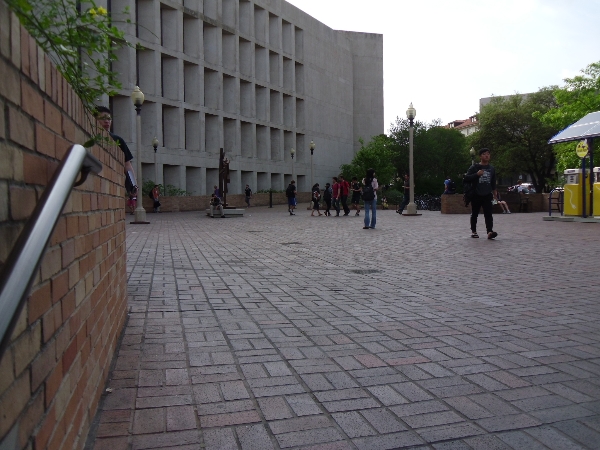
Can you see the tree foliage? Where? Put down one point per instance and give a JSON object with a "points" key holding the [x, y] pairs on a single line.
{"points": [[80, 39], [377, 154], [438, 152], [510, 127]]}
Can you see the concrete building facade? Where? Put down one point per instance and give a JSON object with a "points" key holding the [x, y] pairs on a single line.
{"points": [[256, 78]]}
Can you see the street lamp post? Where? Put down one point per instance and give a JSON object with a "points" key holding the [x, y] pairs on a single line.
{"points": [[411, 113], [155, 145], [137, 97], [312, 169], [292, 153]]}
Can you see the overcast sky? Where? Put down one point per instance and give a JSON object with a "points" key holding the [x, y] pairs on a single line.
{"points": [[445, 55]]}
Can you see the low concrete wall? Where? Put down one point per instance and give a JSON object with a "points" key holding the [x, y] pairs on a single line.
{"points": [[201, 202], [453, 204]]}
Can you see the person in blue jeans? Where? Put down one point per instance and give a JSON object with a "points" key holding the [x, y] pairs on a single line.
{"points": [[370, 205]]}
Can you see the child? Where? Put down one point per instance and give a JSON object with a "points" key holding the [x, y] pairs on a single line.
{"points": [[384, 203], [315, 199]]}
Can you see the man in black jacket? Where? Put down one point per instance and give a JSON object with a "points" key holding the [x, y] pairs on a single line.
{"points": [[484, 176]]}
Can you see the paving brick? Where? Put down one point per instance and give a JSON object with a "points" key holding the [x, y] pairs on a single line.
{"points": [[269, 352], [389, 441], [173, 439], [553, 439]]}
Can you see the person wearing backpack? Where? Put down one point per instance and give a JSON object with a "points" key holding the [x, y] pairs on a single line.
{"points": [[290, 193], [449, 186], [369, 196], [482, 177]]}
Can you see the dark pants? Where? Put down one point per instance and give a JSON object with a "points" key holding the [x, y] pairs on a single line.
{"points": [[328, 206], [345, 204], [336, 205], [405, 202], [485, 202]]}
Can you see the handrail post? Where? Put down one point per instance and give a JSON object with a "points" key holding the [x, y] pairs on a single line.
{"points": [[20, 267]]}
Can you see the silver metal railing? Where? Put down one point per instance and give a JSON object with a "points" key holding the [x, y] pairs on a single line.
{"points": [[21, 265]]}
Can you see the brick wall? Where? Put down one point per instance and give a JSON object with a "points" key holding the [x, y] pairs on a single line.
{"points": [[53, 373]]}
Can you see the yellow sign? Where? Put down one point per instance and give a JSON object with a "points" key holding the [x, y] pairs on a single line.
{"points": [[582, 149]]}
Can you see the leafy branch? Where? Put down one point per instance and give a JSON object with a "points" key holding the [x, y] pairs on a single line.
{"points": [[81, 40]]}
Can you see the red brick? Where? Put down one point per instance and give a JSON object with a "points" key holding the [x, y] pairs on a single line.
{"points": [[20, 128], [13, 401], [43, 365], [26, 347], [52, 117], [15, 41], [68, 304], [25, 51], [44, 140], [62, 146], [22, 202], [68, 129], [39, 302], [34, 169], [4, 30], [69, 355], [32, 101], [72, 226], [45, 431], [60, 232], [53, 382], [2, 121], [31, 418], [68, 253], [51, 321], [60, 286], [33, 60]]}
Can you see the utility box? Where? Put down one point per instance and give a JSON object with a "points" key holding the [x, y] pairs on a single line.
{"points": [[596, 175], [573, 200]]}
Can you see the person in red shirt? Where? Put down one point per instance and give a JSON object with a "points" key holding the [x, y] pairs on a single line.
{"points": [[345, 190], [336, 196]]}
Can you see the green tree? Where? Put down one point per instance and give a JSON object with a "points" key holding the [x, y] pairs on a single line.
{"points": [[438, 152], [579, 96], [377, 154], [511, 128], [81, 40]]}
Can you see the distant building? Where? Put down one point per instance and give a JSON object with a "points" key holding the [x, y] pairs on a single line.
{"points": [[255, 78], [466, 126]]}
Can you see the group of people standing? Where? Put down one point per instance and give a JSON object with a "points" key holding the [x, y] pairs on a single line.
{"points": [[335, 196]]}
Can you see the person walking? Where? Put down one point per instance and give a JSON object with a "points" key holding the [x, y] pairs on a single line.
{"points": [[248, 193], [370, 198], [336, 196], [290, 193], [316, 196], [155, 197], [327, 196], [344, 191], [356, 191], [483, 176], [406, 199]]}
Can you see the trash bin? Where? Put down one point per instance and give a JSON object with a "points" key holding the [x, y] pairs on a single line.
{"points": [[596, 180], [573, 200]]}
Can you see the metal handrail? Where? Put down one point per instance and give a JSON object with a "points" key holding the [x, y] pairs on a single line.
{"points": [[21, 265]]}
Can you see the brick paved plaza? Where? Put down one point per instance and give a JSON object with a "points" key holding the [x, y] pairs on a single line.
{"points": [[272, 331]]}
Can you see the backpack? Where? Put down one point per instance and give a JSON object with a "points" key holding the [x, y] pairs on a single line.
{"points": [[289, 191], [452, 187], [150, 195], [368, 193]]}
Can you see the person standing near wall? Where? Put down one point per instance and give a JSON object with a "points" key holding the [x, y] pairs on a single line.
{"points": [[290, 193], [104, 118], [406, 199], [248, 193], [155, 197]]}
